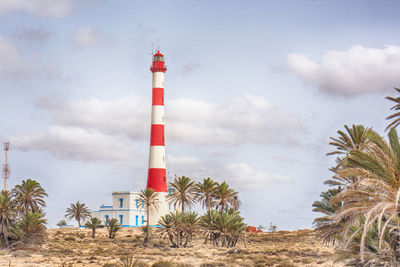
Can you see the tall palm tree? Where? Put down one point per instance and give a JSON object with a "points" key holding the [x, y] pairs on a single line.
{"points": [[224, 196], [93, 224], [376, 198], [29, 196], [396, 115], [7, 214], [148, 199], [184, 192], [78, 211], [204, 191]]}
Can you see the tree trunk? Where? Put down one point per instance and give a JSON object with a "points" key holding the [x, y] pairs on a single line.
{"points": [[93, 232], [5, 233], [147, 236], [209, 204]]}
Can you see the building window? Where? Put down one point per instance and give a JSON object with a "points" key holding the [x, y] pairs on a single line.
{"points": [[137, 203], [169, 205], [137, 220], [121, 218], [121, 201], [106, 219], [142, 219]]}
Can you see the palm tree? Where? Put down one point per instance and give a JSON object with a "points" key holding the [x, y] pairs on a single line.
{"points": [[184, 192], [62, 223], [113, 226], [355, 138], [7, 214], [326, 227], [93, 224], [77, 211], [204, 191], [178, 226], [375, 200], [224, 196], [222, 229], [29, 196], [148, 199], [30, 228], [396, 115]]}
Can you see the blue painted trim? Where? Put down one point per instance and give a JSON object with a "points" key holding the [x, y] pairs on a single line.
{"points": [[128, 225], [118, 210], [123, 193], [103, 206]]}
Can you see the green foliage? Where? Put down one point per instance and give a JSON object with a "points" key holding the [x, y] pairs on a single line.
{"points": [[8, 214], [93, 224], [396, 115], [205, 192], [113, 227], [29, 196], [179, 227], [62, 223], [78, 211], [360, 212], [30, 229], [225, 197], [222, 229], [184, 193], [148, 199], [22, 220]]}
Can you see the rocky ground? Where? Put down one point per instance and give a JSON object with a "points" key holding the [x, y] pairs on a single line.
{"points": [[72, 247]]}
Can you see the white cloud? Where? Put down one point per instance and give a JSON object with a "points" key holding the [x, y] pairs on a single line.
{"points": [[352, 72], [88, 130], [52, 8], [86, 36], [251, 119], [75, 143], [238, 175], [11, 62], [243, 176]]}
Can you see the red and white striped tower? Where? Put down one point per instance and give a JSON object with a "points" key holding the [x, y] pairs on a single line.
{"points": [[157, 176]]}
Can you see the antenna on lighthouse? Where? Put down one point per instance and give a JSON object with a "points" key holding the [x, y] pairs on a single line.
{"points": [[6, 167]]}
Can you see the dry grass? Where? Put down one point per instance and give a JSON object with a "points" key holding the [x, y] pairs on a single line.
{"points": [[75, 248]]}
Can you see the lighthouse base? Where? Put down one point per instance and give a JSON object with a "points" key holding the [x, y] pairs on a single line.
{"points": [[164, 207]]}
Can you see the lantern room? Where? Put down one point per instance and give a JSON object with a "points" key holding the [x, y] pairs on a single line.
{"points": [[158, 63]]}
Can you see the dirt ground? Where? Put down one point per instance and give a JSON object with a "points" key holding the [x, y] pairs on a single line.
{"points": [[71, 247]]}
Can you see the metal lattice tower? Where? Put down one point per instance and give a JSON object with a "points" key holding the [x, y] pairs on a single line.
{"points": [[6, 167]]}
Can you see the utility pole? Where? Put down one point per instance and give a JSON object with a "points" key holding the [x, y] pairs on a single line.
{"points": [[6, 167]]}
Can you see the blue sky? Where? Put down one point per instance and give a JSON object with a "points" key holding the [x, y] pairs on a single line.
{"points": [[253, 91]]}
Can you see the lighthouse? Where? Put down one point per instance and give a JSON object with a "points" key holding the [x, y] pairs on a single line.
{"points": [[125, 205], [157, 176]]}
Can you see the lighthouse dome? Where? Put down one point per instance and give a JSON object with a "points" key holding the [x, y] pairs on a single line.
{"points": [[158, 56]]}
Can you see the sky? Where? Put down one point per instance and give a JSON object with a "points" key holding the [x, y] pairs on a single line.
{"points": [[253, 91]]}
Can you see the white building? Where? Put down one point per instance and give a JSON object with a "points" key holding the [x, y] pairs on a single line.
{"points": [[125, 207]]}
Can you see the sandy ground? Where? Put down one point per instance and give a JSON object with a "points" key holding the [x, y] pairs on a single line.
{"points": [[71, 247]]}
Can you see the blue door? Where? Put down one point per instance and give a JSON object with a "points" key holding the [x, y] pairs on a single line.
{"points": [[142, 219], [137, 220], [120, 218]]}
